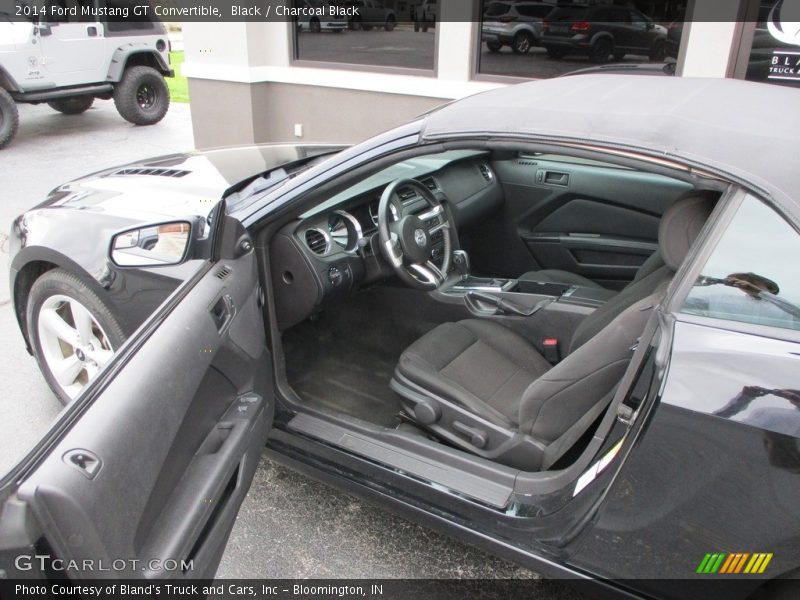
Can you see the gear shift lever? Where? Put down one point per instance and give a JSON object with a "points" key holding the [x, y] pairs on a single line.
{"points": [[461, 262]]}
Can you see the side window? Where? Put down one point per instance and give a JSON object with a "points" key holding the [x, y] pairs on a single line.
{"points": [[638, 19], [752, 274]]}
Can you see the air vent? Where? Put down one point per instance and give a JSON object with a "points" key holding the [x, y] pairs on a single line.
{"points": [[151, 172], [406, 194], [486, 171], [224, 272], [430, 183], [316, 241], [528, 163]]}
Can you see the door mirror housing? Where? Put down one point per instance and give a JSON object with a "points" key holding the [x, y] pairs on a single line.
{"points": [[43, 29], [152, 245]]}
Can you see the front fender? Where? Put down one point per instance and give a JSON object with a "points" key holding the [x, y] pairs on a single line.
{"points": [[78, 242]]}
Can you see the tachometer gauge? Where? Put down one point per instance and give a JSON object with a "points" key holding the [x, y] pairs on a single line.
{"points": [[345, 230]]}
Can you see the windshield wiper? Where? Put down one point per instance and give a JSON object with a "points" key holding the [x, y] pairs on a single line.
{"points": [[756, 286]]}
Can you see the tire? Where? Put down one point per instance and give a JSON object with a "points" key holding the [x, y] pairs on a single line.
{"points": [[619, 55], [522, 42], [555, 52], [142, 97], [9, 118], [72, 106], [390, 24], [54, 305], [659, 53], [314, 26], [601, 50], [494, 46]]}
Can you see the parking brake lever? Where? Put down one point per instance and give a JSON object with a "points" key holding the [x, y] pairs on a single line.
{"points": [[508, 306]]}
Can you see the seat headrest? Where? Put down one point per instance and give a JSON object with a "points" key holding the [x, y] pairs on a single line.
{"points": [[681, 224]]}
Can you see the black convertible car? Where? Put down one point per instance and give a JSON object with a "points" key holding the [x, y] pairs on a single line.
{"points": [[559, 320]]}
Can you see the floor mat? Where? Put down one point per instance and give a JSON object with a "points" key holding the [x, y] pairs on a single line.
{"points": [[343, 359]]}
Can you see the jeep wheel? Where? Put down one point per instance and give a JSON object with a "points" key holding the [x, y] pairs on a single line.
{"points": [[522, 42], [142, 97], [9, 118], [72, 106], [390, 24], [601, 50], [72, 332], [494, 46]]}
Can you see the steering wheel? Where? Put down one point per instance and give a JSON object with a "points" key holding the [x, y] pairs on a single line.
{"points": [[406, 239]]}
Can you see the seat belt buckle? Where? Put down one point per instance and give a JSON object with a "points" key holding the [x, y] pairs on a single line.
{"points": [[551, 353]]}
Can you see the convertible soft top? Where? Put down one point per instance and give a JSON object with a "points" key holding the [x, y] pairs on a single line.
{"points": [[746, 129]]}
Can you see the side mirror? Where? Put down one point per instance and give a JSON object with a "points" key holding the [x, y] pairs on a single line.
{"points": [[158, 245], [43, 30]]}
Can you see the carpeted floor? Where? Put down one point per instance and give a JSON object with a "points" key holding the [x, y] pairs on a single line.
{"points": [[344, 358]]}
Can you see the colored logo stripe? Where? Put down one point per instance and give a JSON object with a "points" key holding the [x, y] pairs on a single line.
{"points": [[735, 563]]}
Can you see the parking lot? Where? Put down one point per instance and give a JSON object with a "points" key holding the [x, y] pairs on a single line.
{"points": [[289, 526]]}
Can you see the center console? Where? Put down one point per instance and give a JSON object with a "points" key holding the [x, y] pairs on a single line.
{"points": [[544, 313]]}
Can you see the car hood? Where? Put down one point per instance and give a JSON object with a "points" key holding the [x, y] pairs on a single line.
{"points": [[177, 185]]}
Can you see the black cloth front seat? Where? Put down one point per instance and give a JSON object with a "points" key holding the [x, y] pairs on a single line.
{"points": [[487, 389], [653, 263]]}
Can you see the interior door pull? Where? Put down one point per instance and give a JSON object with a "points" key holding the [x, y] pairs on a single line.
{"points": [[556, 178]]}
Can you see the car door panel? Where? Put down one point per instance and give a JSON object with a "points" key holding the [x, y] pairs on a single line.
{"points": [[172, 441], [600, 222]]}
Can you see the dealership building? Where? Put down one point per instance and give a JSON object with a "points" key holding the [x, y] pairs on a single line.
{"points": [[286, 81]]}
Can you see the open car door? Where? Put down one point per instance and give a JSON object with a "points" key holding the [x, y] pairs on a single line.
{"points": [[145, 473]]}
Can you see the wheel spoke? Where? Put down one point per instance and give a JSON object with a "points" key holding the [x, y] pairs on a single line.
{"points": [[67, 370], [83, 321], [55, 325], [429, 273]]}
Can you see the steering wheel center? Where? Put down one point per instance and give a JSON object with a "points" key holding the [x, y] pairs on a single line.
{"points": [[414, 239]]}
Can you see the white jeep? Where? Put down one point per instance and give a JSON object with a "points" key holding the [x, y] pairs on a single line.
{"points": [[69, 60]]}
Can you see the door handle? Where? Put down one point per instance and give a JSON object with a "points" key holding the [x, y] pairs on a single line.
{"points": [[222, 312]]}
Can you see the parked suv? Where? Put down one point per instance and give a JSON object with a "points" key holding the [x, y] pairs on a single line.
{"points": [[515, 24], [68, 64], [602, 32], [371, 13]]}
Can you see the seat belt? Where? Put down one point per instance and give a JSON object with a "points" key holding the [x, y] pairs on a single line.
{"points": [[558, 447]]}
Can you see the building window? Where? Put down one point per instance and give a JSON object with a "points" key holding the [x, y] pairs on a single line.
{"points": [[535, 40], [751, 276], [372, 33], [773, 54]]}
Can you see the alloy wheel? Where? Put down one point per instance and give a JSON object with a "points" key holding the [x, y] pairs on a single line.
{"points": [[73, 344]]}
